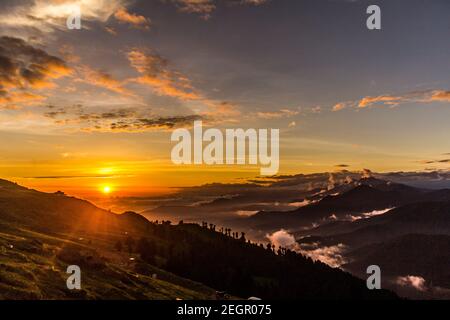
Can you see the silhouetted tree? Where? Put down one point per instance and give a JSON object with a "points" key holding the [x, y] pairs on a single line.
{"points": [[118, 246]]}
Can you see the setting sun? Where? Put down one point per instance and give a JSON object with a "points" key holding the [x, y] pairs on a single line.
{"points": [[106, 189]]}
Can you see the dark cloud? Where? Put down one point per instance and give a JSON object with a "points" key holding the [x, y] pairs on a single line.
{"points": [[436, 161], [342, 166], [115, 114], [24, 67], [121, 119], [54, 114], [154, 123], [22, 64]]}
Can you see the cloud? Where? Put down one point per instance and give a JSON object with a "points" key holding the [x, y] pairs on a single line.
{"points": [[376, 212], [366, 173], [136, 21], [47, 16], [331, 255], [72, 177], [415, 282], [316, 109], [221, 111], [303, 203], [156, 73], [110, 115], [254, 2], [23, 65], [111, 30], [283, 113], [386, 100], [117, 120], [440, 95], [282, 238], [15, 100], [102, 79], [366, 215], [342, 165], [202, 7], [157, 123], [425, 96], [331, 181], [23, 68], [246, 213], [206, 7], [340, 106], [435, 161]]}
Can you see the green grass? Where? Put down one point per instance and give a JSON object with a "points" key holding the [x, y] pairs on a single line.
{"points": [[31, 267]]}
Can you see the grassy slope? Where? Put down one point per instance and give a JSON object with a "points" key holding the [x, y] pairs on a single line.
{"points": [[32, 267]]}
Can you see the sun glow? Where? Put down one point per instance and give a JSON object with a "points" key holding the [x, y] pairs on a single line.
{"points": [[106, 189]]}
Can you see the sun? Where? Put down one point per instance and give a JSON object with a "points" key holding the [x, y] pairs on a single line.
{"points": [[106, 189]]}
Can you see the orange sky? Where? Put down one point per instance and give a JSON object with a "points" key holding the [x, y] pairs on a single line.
{"points": [[84, 109]]}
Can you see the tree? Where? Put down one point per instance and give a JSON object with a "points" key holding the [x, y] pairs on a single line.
{"points": [[118, 245], [146, 249]]}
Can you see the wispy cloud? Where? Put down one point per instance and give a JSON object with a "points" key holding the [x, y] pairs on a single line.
{"points": [[331, 255], [426, 96], [14, 100], [102, 79], [156, 73], [72, 176], [202, 7], [206, 7], [415, 282], [137, 21], [283, 113], [436, 161]]}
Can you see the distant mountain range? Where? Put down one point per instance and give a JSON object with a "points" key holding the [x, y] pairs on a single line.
{"points": [[403, 229], [345, 201], [357, 220], [410, 237]]}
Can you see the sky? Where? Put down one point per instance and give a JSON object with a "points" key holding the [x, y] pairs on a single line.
{"points": [[81, 110]]}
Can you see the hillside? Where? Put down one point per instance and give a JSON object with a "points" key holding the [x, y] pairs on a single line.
{"points": [[41, 234], [33, 266]]}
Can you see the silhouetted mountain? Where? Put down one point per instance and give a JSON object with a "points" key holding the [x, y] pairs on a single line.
{"points": [[426, 256], [425, 218], [360, 197], [57, 212], [236, 266]]}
